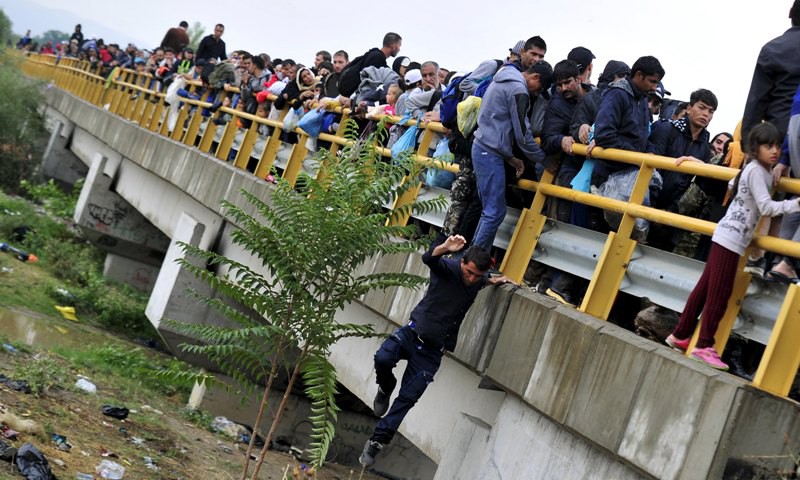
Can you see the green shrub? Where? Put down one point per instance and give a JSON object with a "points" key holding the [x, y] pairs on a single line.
{"points": [[42, 374]]}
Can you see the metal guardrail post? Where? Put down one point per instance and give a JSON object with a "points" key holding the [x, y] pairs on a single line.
{"points": [[781, 358], [246, 148], [295, 163], [193, 128], [226, 142], [617, 252], [725, 327], [523, 242], [410, 195], [322, 173], [183, 114], [158, 112], [267, 159]]}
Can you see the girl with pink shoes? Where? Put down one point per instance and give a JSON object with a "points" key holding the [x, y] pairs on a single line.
{"points": [[731, 237]]}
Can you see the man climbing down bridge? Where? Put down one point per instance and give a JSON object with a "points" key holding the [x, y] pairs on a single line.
{"points": [[433, 328]]}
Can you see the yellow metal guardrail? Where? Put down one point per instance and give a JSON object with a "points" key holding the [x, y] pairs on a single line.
{"points": [[126, 97]]}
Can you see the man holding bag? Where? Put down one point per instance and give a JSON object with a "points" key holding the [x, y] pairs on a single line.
{"points": [[503, 130]]}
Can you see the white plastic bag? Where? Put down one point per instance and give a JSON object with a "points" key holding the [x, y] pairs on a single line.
{"points": [[619, 186]]}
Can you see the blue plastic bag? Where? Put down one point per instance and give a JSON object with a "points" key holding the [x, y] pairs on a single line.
{"points": [[311, 123], [435, 177], [407, 141]]}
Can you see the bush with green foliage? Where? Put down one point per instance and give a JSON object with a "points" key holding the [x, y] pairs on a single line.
{"points": [[312, 240], [42, 373]]}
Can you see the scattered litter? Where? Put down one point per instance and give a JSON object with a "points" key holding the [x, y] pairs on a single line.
{"points": [[60, 462], [20, 425], [228, 427], [84, 384], [106, 424], [7, 270], [83, 476], [8, 433], [7, 452], [224, 447], [64, 293], [104, 452], [32, 464], [148, 462], [137, 441], [110, 470], [61, 330], [67, 312], [123, 431], [17, 385], [10, 348], [120, 413], [18, 254], [61, 442], [85, 453], [148, 408]]}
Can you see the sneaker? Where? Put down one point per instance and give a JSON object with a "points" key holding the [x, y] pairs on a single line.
{"points": [[677, 344], [560, 297], [371, 449], [710, 357], [756, 267], [381, 403]]}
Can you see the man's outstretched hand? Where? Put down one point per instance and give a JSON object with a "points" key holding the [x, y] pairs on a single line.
{"points": [[453, 244]]}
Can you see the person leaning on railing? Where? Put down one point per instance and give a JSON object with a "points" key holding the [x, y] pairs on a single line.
{"points": [[732, 236]]}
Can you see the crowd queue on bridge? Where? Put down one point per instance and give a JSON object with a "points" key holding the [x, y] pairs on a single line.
{"points": [[491, 118]]}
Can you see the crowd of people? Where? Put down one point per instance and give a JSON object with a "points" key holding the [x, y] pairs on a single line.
{"points": [[492, 116]]}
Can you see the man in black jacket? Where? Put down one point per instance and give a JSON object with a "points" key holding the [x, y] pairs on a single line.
{"points": [[685, 139], [212, 46], [433, 328], [775, 79]]}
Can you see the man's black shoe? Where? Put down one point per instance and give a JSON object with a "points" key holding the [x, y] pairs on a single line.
{"points": [[381, 403], [371, 449]]}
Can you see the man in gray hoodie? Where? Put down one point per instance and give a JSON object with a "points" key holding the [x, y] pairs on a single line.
{"points": [[504, 135]]}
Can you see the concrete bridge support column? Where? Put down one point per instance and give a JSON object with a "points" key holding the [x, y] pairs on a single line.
{"points": [[135, 247], [172, 299], [58, 162]]}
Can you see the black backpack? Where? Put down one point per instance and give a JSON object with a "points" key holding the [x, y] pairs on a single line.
{"points": [[351, 75]]}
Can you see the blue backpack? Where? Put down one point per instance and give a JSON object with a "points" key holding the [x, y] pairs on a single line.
{"points": [[448, 111]]}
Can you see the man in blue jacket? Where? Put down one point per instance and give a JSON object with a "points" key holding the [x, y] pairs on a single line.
{"points": [[504, 135], [432, 330], [623, 120]]}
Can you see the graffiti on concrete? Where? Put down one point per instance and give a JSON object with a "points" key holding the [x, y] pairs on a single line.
{"points": [[108, 217]]}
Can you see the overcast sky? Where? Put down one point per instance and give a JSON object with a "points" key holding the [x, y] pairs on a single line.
{"points": [[701, 43]]}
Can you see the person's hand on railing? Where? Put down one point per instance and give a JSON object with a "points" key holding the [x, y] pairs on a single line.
{"points": [[227, 87], [566, 144], [345, 102], [589, 148], [430, 117], [687, 158], [780, 170], [583, 132]]}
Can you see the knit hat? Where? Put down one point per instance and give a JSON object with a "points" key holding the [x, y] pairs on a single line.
{"points": [[413, 76], [517, 48]]}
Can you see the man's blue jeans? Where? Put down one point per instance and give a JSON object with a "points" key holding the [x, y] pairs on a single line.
{"points": [[491, 177], [423, 362]]}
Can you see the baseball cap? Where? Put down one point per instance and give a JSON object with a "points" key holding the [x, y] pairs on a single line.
{"points": [[413, 76], [661, 92], [582, 56]]}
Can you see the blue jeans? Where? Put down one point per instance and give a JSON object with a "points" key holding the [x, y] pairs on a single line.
{"points": [[491, 177], [423, 362]]}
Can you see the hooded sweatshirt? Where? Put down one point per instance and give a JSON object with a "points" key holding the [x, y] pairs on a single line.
{"points": [[623, 122], [503, 123], [292, 91]]}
